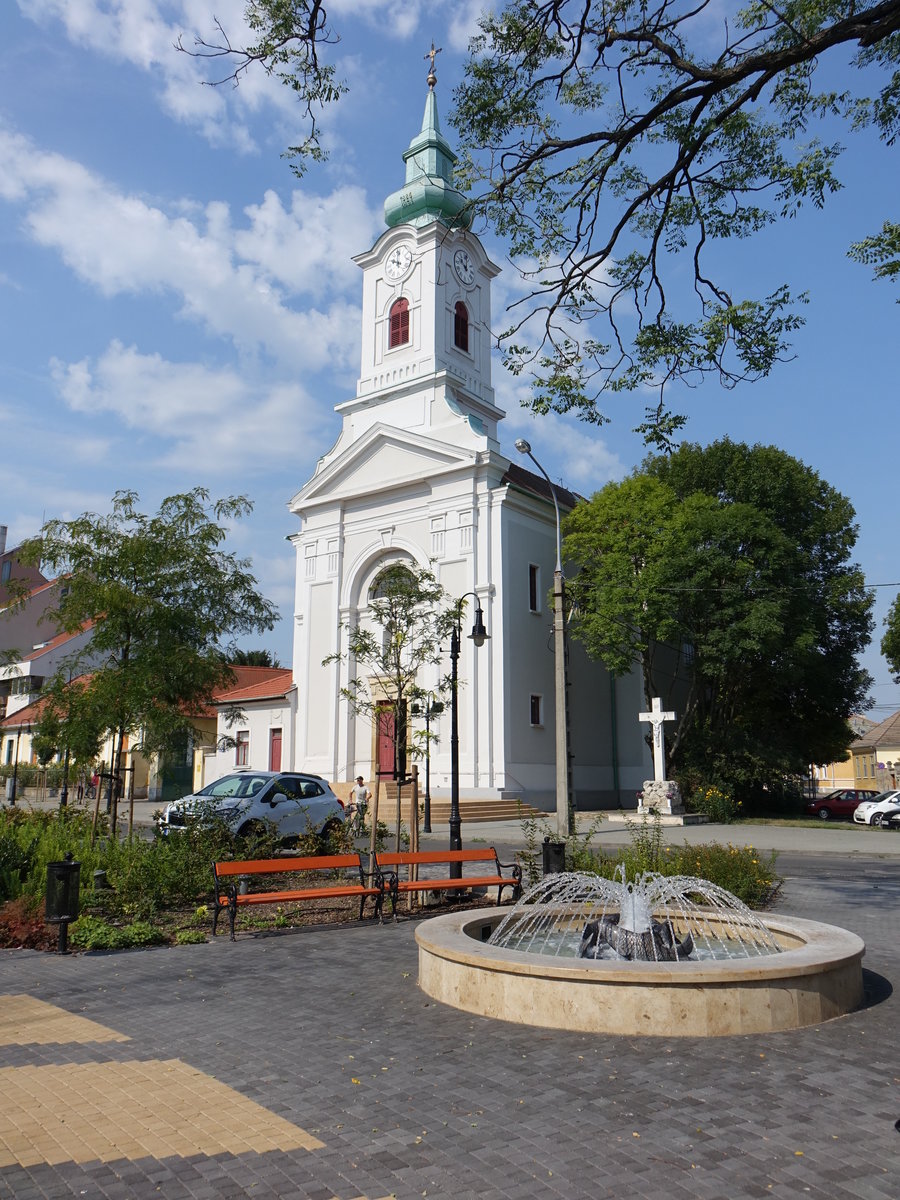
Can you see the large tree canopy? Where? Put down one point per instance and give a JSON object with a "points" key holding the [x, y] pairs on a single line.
{"points": [[608, 142], [163, 599], [730, 567], [890, 643]]}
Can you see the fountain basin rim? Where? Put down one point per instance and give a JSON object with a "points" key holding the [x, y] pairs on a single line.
{"points": [[810, 947]]}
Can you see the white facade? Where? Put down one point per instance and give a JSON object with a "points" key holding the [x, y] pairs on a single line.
{"points": [[416, 475]]}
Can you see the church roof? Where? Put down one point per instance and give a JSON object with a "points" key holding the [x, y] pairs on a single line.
{"points": [[530, 482], [428, 194]]}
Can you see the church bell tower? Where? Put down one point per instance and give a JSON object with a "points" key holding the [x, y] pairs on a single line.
{"points": [[426, 328]]}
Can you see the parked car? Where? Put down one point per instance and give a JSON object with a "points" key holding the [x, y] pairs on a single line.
{"points": [[841, 803], [873, 812], [891, 820], [250, 801]]}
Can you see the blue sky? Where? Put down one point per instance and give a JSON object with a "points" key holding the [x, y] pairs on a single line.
{"points": [[176, 308]]}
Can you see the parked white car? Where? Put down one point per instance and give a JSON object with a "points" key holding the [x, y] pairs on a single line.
{"points": [[873, 812], [251, 801]]}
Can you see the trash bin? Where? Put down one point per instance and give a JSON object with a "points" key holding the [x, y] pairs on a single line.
{"points": [[63, 883], [554, 856]]}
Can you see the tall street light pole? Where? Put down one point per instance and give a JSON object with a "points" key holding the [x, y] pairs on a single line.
{"points": [[433, 708], [479, 636], [565, 801]]}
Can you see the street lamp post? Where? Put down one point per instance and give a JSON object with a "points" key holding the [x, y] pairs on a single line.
{"points": [[565, 801], [479, 636], [433, 708], [15, 775]]}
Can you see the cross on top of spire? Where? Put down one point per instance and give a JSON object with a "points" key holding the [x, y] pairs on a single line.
{"points": [[432, 78]]}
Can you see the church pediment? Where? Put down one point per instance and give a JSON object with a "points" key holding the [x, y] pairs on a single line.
{"points": [[383, 459]]}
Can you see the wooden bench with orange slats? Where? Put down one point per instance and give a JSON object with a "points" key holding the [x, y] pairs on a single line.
{"points": [[233, 881], [389, 863]]}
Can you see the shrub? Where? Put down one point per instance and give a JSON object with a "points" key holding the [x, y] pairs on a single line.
{"points": [[716, 802], [580, 854], [22, 925], [189, 937], [93, 933]]}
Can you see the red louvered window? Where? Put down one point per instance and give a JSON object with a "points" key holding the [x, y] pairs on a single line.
{"points": [[461, 326], [399, 323]]}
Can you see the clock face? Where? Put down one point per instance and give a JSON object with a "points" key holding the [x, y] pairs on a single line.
{"points": [[398, 262], [463, 266]]}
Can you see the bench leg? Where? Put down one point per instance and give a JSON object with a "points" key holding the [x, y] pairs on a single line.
{"points": [[232, 913], [216, 910]]}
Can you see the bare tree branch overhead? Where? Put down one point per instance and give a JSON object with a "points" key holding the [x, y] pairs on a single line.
{"points": [[611, 143]]}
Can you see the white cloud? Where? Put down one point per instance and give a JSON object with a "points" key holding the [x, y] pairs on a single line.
{"points": [[464, 23], [234, 281], [144, 34], [210, 421], [572, 453], [401, 21]]}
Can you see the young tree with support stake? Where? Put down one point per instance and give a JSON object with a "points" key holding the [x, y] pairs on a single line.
{"points": [[165, 599], [408, 625]]}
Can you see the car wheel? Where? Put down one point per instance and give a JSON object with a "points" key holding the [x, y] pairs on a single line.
{"points": [[824, 814], [329, 829], [876, 819], [256, 839]]}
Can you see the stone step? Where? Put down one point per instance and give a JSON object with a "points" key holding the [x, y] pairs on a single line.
{"points": [[471, 811]]}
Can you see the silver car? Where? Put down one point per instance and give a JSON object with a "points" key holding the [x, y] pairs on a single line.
{"points": [[251, 802]]}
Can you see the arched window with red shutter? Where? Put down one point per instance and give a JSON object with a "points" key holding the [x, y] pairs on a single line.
{"points": [[399, 323], [461, 326]]}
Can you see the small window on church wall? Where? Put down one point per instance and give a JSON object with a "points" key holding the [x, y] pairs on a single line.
{"points": [[534, 588], [399, 322], [461, 326], [535, 706]]}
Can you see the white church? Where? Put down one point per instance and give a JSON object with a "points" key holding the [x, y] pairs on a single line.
{"points": [[417, 476]]}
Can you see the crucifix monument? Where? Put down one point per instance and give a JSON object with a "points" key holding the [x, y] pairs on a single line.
{"points": [[659, 793]]}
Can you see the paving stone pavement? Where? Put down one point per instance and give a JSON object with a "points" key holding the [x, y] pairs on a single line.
{"points": [[325, 1030]]}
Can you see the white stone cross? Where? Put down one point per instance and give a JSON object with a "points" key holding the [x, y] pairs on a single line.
{"points": [[656, 717]]}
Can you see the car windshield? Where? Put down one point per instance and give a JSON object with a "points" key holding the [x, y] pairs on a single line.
{"points": [[235, 785]]}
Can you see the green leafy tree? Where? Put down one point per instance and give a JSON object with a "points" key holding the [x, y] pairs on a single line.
{"points": [[890, 643], [731, 563], [160, 595], [69, 724], [253, 658], [408, 622], [612, 145]]}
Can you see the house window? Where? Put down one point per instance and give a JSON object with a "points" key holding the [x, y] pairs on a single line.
{"points": [[536, 704], [5, 571], [534, 588], [399, 323], [461, 326], [242, 748], [9, 751]]}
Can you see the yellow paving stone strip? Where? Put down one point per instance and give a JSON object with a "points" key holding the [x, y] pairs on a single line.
{"points": [[25, 1021], [81, 1112]]}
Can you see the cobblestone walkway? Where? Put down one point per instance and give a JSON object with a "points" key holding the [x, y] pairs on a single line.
{"points": [[308, 1065]]}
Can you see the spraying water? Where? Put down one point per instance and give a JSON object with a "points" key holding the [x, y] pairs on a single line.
{"points": [[655, 918]]}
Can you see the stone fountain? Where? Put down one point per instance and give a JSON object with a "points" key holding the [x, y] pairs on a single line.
{"points": [[662, 955]]}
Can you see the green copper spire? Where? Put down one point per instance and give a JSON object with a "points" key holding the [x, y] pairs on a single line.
{"points": [[429, 194]]}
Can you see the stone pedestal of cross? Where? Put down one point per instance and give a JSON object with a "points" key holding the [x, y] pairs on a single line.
{"points": [[659, 793]]}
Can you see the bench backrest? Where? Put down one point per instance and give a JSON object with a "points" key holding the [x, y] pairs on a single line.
{"points": [[406, 858], [272, 866]]}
